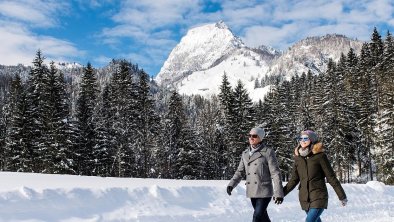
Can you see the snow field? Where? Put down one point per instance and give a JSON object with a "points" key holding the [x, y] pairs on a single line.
{"points": [[31, 197]]}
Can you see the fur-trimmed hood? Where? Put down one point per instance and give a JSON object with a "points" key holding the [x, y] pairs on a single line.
{"points": [[316, 148]]}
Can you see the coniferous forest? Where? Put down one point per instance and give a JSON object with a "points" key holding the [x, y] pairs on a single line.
{"points": [[127, 126]]}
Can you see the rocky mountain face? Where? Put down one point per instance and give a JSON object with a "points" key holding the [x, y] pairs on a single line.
{"points": [[196, 65], [202, 48], [312, 54]]}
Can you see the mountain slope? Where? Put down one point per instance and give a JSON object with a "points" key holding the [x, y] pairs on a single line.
{"points": [[196, 65], [312, 53], [200, 49]]}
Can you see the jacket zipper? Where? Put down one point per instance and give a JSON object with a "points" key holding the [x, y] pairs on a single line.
{"points": [[307, 177]]}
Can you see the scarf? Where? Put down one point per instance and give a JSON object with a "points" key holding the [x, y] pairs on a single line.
{"points": [[304, 152], [252, 149]]}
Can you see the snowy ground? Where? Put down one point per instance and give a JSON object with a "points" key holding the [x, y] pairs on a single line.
{"points": [[38, 197]]}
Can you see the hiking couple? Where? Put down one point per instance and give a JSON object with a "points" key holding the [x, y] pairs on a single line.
{"points": [[263, 177]]}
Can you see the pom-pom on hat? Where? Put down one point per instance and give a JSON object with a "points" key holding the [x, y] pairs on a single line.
{"points": [[258, 131], [313, 137]]}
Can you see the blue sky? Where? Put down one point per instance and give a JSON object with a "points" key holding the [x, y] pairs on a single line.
{"points": [[145, 31]]}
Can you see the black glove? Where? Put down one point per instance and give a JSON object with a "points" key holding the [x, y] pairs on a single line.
{"points": [[229, 189], [278, 200]]}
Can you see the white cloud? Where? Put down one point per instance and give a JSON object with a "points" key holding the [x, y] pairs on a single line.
{"points": [[147, 30], [155, 27], [292, 21], [277, 37], [102, 59], [150, 14], [19, 45], [18, 41], [33, 13]]}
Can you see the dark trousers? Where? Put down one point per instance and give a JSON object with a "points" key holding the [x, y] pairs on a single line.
{"points": [[260, 209]]}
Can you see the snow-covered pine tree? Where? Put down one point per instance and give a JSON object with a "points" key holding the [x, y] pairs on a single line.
{"points": [[172, 125], [284, 139], [16, 151], [188, 158], [103, 151], [85, 124], [376, 47], [330, 126], [3, 132], [384, 151], [366, 103], [316, 103], [123, 100], [267, 116], [243, 120], [353, 137], [146, 136], [226, 124], [58, 158], [304, 86], [36, 105], [343, 143], [211, 159]]}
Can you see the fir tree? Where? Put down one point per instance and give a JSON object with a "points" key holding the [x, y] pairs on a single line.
{"points": [[123, 100], [187, 163], [173, 140], [17, 155], [209, 149], [58, 156], [385, 118], [366, 103], [104, 152], [226, 123], [85, 124], [243, 120], [36, 108], [146, 138], [283, 142]]}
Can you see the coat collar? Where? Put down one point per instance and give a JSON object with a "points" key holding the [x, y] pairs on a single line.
{"points": [[316, 148], [256, 154]]}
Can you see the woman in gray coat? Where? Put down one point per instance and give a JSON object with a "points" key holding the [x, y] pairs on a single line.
{"points": [[261, 168]]}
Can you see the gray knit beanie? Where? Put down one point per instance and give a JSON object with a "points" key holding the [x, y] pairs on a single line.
{"points": [[259, 131], [313, 137]]}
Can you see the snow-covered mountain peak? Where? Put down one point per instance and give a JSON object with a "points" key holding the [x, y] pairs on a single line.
{"points": [[196, 65], [313, 53], [270, 50], [67, 65], [220, 24], [201, 48]]}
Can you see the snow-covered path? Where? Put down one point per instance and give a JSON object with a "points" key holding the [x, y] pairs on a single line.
{"points": [[39, 197]]}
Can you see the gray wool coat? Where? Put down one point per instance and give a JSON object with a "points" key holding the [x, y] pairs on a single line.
{"points": [[263, 177]]}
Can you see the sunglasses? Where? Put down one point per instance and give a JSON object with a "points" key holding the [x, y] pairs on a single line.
{"points": [[303, 139], [253, 136]]}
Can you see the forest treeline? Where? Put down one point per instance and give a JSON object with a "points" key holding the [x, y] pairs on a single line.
{"points": [[121, 128]]}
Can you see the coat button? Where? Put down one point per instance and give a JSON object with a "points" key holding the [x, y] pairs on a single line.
{"points": [[248, 182], [255, 173], [248, 173], [255, 164]]}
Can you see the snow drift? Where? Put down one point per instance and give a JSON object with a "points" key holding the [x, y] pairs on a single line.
{"points": [[39, 197]]}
